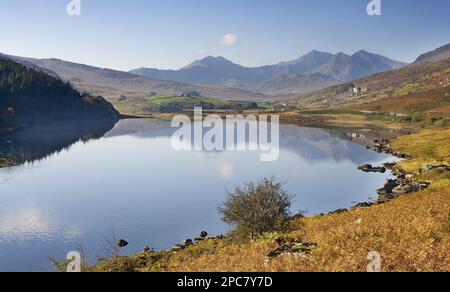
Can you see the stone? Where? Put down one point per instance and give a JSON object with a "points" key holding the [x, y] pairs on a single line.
{"points": [[363, 205], [431, 168], [148, 249], [339, 211], [370, 168], [292, 248], [122, 243], [178, 247]]}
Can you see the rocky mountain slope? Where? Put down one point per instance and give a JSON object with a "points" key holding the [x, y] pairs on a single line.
{"points": [[421, 87], [439, 54], [271, 80]]}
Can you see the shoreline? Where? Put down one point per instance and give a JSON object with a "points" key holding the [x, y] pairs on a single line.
{"points": [[6, 163], [402, 185]]}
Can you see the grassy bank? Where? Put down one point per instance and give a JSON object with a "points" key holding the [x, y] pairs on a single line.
{"points": [[360, 118], [412, 233]]}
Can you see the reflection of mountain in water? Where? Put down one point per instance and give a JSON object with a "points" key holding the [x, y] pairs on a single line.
{"points": [[308, 143], [40, 141], [318, 144]]}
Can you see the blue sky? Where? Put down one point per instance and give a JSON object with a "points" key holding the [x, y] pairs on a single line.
{"points": [[172, 33]]}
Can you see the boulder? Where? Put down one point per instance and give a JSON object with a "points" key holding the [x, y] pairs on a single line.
{"points": [[339, 211], [292, 248], [405, 189], [431, 168], [122, 243], [363, 205], [178, 247], [148, 249], [370, 168]]}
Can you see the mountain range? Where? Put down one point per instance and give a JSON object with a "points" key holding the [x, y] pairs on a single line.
{"points": [[327, 79], [217, 77], [423, 86], [113, 84], [308, 73]]}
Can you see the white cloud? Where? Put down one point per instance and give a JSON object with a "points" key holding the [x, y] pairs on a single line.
{"points": [[229, 39]]}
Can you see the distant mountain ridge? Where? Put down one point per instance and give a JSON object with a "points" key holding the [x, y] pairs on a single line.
{"points": [[113, 84], [338, 67], [217, 77]]}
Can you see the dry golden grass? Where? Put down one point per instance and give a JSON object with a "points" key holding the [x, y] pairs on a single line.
{"points": [[411, 234], [338, 120], [434, 100], [429, 147]]}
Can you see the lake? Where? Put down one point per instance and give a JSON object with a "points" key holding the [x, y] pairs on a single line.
{"points": [[129, 181]]}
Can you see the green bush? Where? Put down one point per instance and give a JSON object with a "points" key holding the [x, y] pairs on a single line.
{"points": [[254, 209]]}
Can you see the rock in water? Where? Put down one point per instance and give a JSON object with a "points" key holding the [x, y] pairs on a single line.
{"points": [[370, 168], [204, 234], [122, 243]]}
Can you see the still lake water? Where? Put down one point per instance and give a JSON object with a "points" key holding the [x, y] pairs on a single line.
{"points": [[132, 181]]}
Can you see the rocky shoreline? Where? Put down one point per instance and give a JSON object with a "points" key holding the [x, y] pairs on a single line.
{"points": [[403, 184]]}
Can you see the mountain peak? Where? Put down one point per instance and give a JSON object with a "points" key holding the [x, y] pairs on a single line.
{"points": [[316, 52], [212, 58], [210, 61], [363, 52]]}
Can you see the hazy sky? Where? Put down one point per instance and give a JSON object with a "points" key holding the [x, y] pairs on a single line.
{"points": [[172, 33]]}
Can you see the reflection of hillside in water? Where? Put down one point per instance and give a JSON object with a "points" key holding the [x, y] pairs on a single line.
{"points": [[41, 141], [319, 144], [308, 143]]}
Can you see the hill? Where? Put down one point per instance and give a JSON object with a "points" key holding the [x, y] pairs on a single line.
{"points": [[292, 84], [113, 84], [28, 97], [439, 54], [422, 87]]}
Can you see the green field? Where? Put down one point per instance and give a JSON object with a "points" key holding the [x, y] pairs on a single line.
{"points": [[174, 104]]}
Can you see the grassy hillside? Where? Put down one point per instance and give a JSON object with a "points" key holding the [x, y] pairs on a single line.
{"points": [[112, 83], [419, 87], [28, 97]]}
